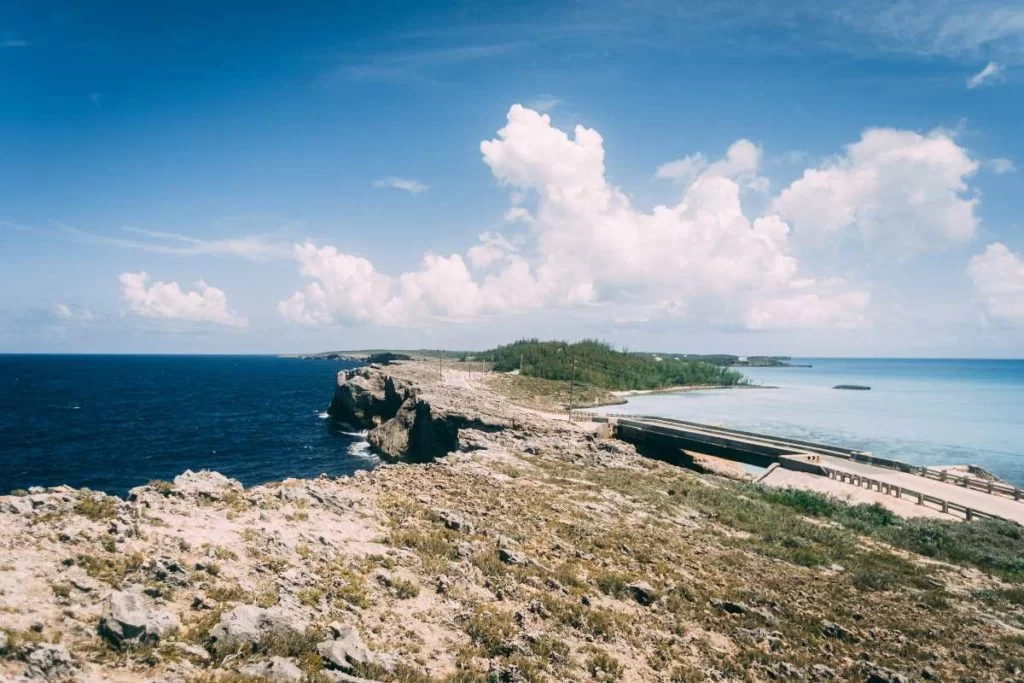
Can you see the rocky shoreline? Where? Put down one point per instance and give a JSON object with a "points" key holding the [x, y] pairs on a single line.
{"points": [[500, 544]]}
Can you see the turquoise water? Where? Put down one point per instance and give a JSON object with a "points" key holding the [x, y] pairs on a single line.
{"points": [[927, 412]]}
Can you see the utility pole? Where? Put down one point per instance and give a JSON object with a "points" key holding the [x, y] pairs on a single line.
{"points": [[572, 380]]}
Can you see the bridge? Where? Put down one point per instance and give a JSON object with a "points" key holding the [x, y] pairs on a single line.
{"points": [[966, 497]]}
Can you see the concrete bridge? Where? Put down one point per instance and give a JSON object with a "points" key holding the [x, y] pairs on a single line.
{"points": [[946, 493]]}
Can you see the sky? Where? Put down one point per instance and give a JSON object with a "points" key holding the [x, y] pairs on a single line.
{"points": [[797, 178]]}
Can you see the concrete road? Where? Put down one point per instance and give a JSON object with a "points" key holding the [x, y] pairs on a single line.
{"points": [[1006, 508]]}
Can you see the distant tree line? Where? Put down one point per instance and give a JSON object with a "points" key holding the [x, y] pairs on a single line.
{"points": [[600, 365]]}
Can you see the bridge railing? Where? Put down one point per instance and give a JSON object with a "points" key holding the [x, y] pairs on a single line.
{"points": [[901, 492], [973, 483]]}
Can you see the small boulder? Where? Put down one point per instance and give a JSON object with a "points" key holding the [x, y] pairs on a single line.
{"points": [[347, 650], [167, 570], [17, 506], [642, 592], [248, 624], [455, 522], [127, 617], [50, 662], [206, 484], [730, 606], [879, 674], [510, 556], [4, 641], [830, 629], [277, 669], [820, 672]]}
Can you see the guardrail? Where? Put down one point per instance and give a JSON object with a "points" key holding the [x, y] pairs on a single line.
{"points": [[900, 492], [973, 483]]}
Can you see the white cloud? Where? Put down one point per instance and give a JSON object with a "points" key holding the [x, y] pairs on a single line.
{"points": [[590, 246], [409, 185], [166, 301], [742, 162], [492, 248], [998, 277], [252, 247], [1001, 166], [68, 314], [991, 73], [894, 187]]}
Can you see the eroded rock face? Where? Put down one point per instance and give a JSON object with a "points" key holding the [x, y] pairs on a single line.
{"points": [[402, 424], [128, 618], [366, 397]]}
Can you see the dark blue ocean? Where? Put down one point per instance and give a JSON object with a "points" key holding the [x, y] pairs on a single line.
{"points": [[114, 422], [923, 411]]}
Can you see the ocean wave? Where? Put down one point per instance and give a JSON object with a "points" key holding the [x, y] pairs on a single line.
{"points": [[361, 449], [323, 415]]}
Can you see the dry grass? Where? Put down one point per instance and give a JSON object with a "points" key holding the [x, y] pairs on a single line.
{"points": [[548, 395]]}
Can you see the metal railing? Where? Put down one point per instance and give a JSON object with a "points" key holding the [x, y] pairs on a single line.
{"points": [[973, 483], [901, 492]]}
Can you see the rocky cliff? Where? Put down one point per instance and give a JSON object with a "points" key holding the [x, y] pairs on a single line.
{"points": [[402, 423]]}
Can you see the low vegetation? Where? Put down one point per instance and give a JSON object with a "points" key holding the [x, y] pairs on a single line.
{"points": [[598, 364]]}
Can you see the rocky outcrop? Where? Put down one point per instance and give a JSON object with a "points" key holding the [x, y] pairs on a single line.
{"points": [[402, 424], [128, 619]]}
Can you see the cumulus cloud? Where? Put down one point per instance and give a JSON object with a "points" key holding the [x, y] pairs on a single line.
{"points": [[895, 187], [998, 277], [742, 162], [590, 246], [991, 73], [167, 301], [408, 184]]}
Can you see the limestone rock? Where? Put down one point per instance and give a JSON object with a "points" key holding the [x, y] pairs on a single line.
{"points": [[879, 674], [830, 629], [205, 485], [510, 556], [730, 606], [820, 672], [248, 624], [642, 592], [455, 522], [127, 617], [17, 505], [276, 669], [49, 662], [348, 650]]}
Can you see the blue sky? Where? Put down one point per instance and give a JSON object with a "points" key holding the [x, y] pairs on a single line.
{"points": [[831, 181]]}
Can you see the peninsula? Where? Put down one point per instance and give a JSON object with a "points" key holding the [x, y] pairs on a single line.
{"points": [[497, 542]]}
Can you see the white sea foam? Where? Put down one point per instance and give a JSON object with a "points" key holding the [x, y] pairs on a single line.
{"points": [[361, 449], [323, 415]]}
